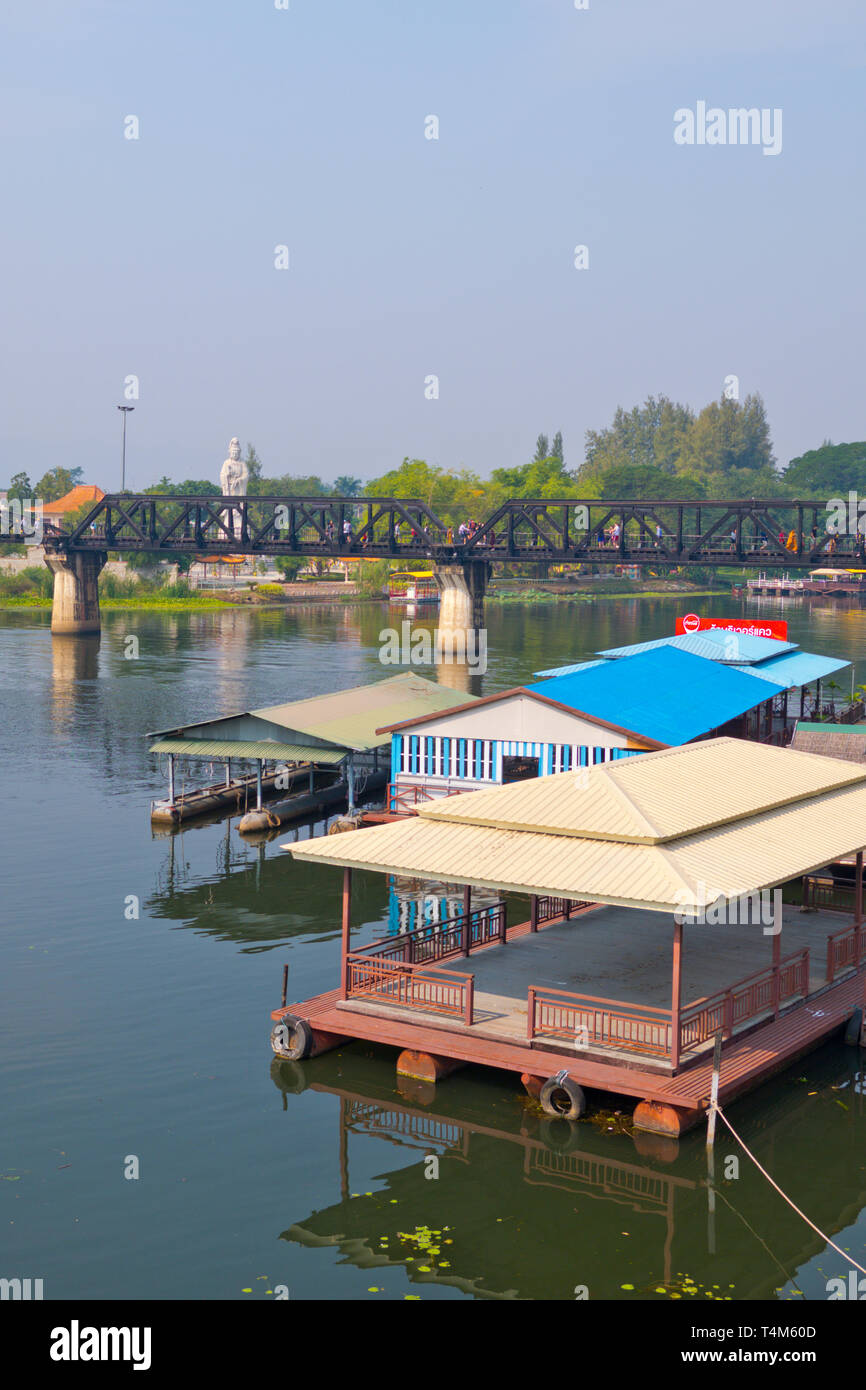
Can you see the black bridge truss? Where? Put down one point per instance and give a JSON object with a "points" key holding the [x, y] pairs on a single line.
{"points": [[773, 534]]}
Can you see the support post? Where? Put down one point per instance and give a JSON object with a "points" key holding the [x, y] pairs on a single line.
{"points": [[858, 906], [777, 953], [350, 784], [346, 918], [465, 935], [228, 772], [312, 776], [533, 912], [258, 784], [676, 994], [171, 779]]}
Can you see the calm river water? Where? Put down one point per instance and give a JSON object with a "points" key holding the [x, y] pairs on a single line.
{"points": [[147, 1038]]}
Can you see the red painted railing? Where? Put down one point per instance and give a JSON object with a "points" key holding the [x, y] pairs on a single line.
{"points": [[411, 986], [551, 908], [402, 798], [440, 940], [609, 1022], [832, 895], [845, 950], [756, 994], [585, 1020]]}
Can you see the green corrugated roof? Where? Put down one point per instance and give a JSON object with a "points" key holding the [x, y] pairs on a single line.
{"points": [[236, 748], [351, 717]]}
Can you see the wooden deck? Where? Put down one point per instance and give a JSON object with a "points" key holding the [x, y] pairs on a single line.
{"points": [[746, 1062]]}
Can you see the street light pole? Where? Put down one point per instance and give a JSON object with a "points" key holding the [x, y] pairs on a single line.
{"points": [[125, 410]]}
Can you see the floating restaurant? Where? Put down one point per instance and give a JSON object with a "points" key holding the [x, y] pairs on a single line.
{"points": [[324, 750], [597, 712], [619, 865], [781, 663]]}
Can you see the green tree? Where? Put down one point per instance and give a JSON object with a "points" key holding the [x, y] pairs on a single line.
{"points": [[542, 450], [347, 486], [19, 487], [57, 482], [647, 436], [834, 470], [556, 447], [253, 462]]}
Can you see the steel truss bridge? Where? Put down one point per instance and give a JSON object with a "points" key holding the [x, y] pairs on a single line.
{"points": [[775, 533]]}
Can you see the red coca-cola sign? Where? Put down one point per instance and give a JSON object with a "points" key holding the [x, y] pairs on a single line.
{"points": [[777, 628]]}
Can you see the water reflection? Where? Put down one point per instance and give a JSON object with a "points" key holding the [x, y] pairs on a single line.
{"points": [[528, 1208]]}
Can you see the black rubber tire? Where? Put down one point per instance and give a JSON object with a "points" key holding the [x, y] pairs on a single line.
{"points": [[564, 1100], [292, 1038]]}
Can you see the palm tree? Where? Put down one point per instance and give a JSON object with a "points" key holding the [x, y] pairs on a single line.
{"points": [[347, 486]]}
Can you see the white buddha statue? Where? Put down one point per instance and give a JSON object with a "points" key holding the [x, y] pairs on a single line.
{"points": [[234, 476]]}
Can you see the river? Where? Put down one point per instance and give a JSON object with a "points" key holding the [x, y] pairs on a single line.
{"points": [[138, 975]]}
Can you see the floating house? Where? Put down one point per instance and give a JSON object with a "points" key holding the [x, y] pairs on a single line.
{"points": [[328, 744], [780, 663], [601, 712], [654, 932]]}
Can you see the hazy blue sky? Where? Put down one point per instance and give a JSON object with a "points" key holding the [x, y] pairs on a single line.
{"points": [[411, 256]]}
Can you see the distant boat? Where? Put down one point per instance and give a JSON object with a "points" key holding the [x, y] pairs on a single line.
{"points": [[408, 586]]}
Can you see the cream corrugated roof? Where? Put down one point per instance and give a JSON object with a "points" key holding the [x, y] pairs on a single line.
{"points": [[656, 797], [729, 861], [800, 817], [351, 717]]}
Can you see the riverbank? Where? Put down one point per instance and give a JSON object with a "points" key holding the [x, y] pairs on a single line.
{"points": [[208, 603]]}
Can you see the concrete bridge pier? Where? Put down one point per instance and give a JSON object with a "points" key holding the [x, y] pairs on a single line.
{"points": [[76, 590], [462, 587]]}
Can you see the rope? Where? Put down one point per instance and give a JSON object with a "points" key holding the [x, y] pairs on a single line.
{"points": [[720, 1112]]}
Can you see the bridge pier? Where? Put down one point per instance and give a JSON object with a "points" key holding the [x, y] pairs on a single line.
{"points": [[75, 608], [462, 587]]}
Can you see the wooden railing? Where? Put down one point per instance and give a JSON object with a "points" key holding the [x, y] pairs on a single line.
{"points": [[585, 1020], [608, 1022], [551, 908], [756, 994], [845, 950], [833, 895], [440, 940], [410, 986], [402, 798]]}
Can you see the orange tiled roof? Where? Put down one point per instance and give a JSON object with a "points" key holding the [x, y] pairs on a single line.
{"points": [[83, 492]]}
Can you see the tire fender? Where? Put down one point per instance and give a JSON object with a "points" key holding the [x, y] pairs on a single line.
{"points": [[292, 1038], [562, 1098]]}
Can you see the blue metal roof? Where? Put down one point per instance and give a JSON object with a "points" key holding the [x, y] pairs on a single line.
{"points": [[794, 669], [667, 695], [719, 644]]}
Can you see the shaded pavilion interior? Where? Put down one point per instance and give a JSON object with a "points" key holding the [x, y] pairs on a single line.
{"points": [[613, 859]]}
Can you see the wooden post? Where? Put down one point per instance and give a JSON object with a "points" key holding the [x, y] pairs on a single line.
{"points": [[171, 779], [533, 912], [285, 985], [858, 906], [347, 907], [777, 953], [465, 936], [676, 994], [714, 1090]]}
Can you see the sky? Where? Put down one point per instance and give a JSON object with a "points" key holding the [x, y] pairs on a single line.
{"points": [[412, 258]]}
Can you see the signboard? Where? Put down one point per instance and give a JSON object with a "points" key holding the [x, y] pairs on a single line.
{"points": [[753, 627]]}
